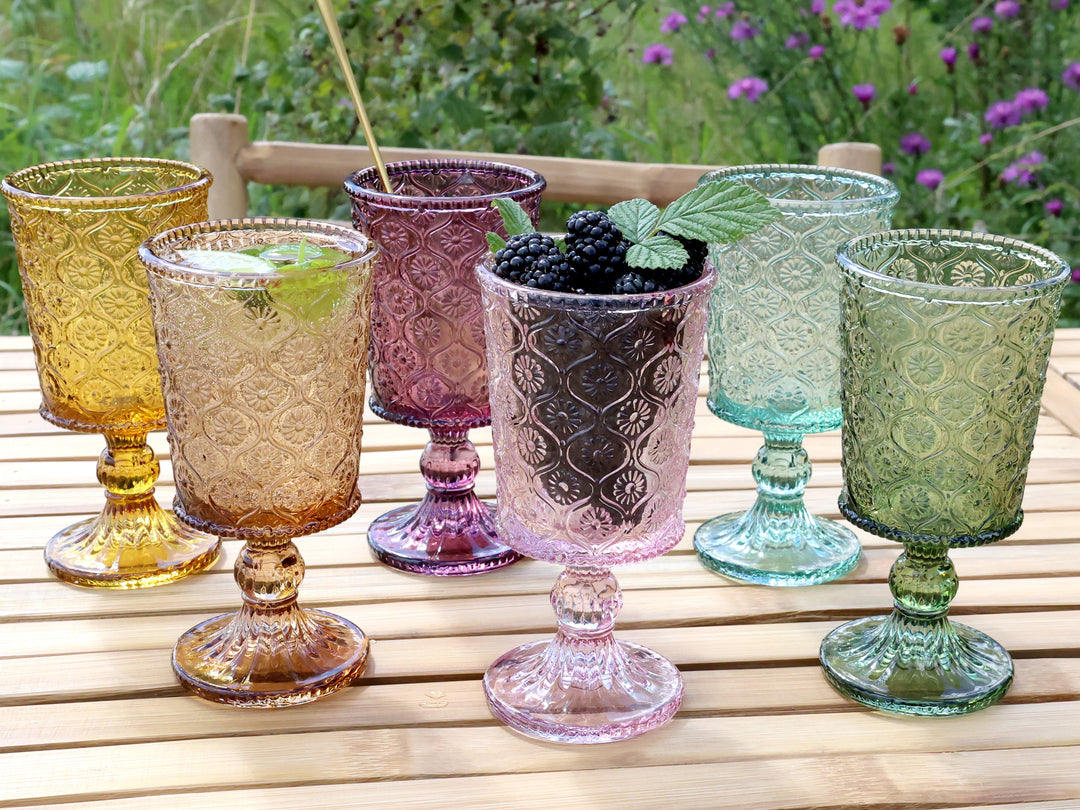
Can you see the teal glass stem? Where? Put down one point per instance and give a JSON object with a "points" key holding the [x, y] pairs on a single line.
{"points": [[774, 364], [946, 338]]}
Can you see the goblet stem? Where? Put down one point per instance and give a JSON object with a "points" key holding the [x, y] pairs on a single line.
{"points": [[450, 532], [133, 542], [583, 686], [915, 661], [271, 652], [778, 542]]}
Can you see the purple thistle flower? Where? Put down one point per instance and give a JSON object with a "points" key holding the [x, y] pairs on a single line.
{"points": [[1003, 114], [1031, 98], [1076, 275], [743, 30], [751, 88], [912, 88], [709, 54], [948, 56], [703, 13], [817, 7], [915, 143], [1054, 207], [658, 52], [864, 93], [1022, 172], [797, 40], [861, 17], [672, 22], [725, 10], [980, 25], [1058, 5], [818, 51], [1006, 8], [888, 168], [973, 52], [986, 138], [1071, 76], [931, 178]]}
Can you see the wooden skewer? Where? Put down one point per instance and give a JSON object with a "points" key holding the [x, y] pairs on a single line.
{"points": [[330, 19]]}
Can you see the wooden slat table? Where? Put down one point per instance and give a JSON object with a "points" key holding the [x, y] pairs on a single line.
{"points": [[91, 716]]}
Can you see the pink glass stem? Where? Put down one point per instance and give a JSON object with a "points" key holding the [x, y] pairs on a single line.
{"points": [[450, 532]]}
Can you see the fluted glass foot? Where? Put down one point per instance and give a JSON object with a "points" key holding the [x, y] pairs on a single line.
{"points": [[908, 665], [562, 691], [270, 657], [133, 543], [767, 548], [443, 535]]}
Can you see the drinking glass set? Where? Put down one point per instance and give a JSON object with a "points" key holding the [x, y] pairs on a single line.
{"points": [[929, 347]]}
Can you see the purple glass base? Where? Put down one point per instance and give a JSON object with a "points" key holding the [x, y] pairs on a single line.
{"points": [[567, 690], [443, 536]]}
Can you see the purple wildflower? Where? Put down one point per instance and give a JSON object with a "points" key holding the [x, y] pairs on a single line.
{"points": [[1022, 172], [817, 51], [1031, 98], [658, 52], [1006, 8], [751, 87], [931, 178], [709, 54], [973, 52], [817, 7], [1076, 275], [703, 13], [888, 168], [1071, 76], [1003, 114], [986, 138], [948, 56], [912, 88], [915, 143], [861, 17], [725, 10], [743, 30], [672, 22], [864, 93], [797, 40], [1054, 207], [980, 25], [1058, 5]]}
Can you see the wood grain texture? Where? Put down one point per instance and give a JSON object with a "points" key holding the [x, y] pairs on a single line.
{"points": [[91, 716]]}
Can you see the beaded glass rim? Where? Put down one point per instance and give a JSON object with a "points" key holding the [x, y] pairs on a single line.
{"points": [[532, 182], [13, 185], [847, 256], [881, 192]]}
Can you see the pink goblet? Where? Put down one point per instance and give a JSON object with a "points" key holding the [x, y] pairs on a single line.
{"points": [[592, 407], [427, 347]]}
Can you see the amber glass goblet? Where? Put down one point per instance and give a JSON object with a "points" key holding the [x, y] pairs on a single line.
{"points": [[264, 388], [946, 336], [427, 347], [77, 225], [592, 403]]}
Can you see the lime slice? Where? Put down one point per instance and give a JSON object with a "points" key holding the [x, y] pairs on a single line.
{"points": [[303, 254], [225, 261], [312, 294]]}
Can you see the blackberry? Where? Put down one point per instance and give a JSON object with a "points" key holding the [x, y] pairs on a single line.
{"points": [[533, 260], [634, 282], [595, 250], [694, 267]]}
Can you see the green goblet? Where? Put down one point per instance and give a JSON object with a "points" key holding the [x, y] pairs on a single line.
{"points": [[946, 336]]}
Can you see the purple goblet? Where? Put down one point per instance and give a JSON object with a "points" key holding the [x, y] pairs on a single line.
{"points": [[592, 408], [427, 346]]}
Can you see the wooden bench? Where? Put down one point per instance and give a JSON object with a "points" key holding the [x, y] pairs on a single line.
{"points": [[220, 143]]}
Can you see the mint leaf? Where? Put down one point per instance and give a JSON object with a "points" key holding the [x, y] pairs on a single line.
{"points": [[514, 217], [495, 242], [636, 218], [657, 251], [721, 211]]}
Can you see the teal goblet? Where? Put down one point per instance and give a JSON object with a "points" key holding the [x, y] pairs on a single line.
{"points": [[946, 336], [774, 364]]}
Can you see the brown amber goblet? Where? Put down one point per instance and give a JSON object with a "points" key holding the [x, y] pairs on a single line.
{"points": [[264, 388], [77, 225]]}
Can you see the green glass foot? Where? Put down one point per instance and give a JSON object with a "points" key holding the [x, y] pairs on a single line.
{"points": [[908, 665]]}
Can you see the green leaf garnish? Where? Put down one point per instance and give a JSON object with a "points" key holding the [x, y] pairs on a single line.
{"points": [[514, 217], [658, 250], [637, 219], [721, 211], [494, 241]]}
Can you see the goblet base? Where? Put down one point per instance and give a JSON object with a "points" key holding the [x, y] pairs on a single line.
{"points": [[916, 666], [622, 690], [441, 536], [133, 543], [773, 549], [270, 657]]}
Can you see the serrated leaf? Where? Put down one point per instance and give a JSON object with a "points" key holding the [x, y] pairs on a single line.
{"points": [[658, 251], [514, 217], [636, 218], [720, 211], [495, 242]]}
